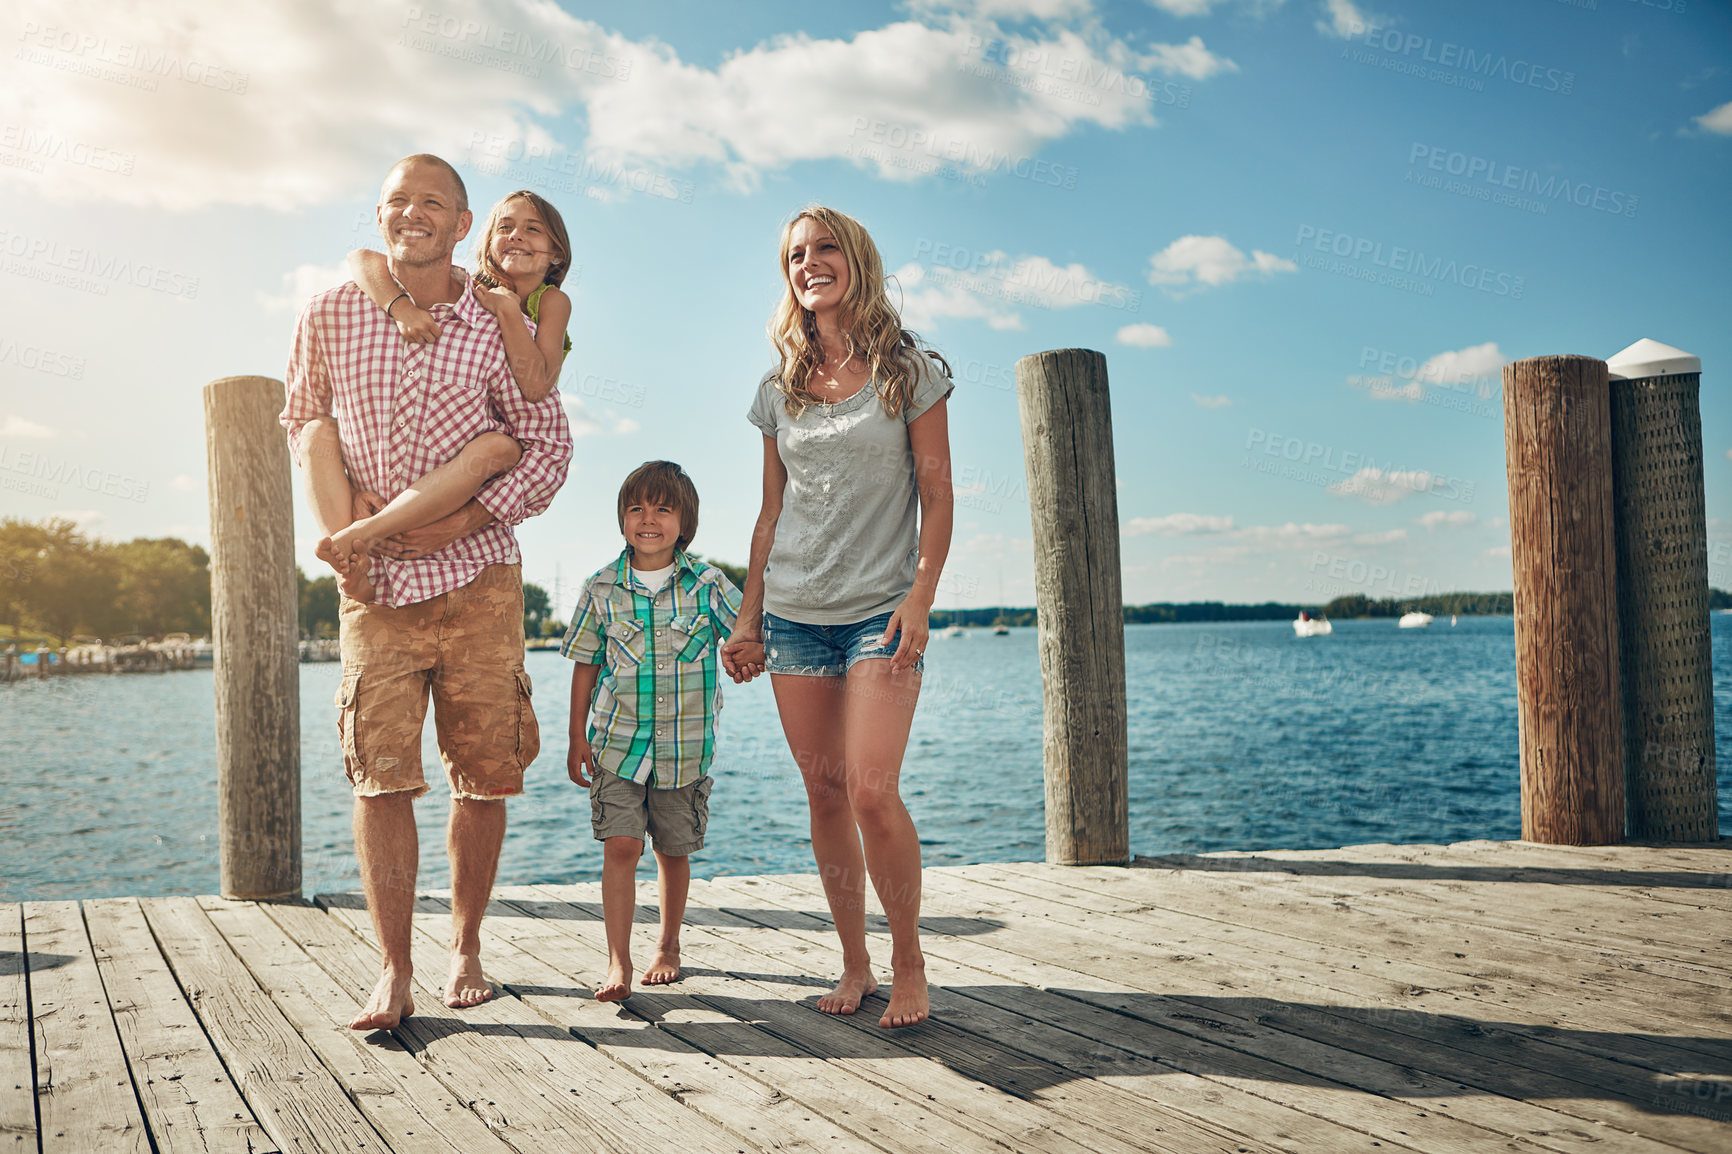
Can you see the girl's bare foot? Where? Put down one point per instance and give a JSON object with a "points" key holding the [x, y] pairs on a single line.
{"points": [[664, 967], [617, 987], [845, 998], [467, 986], [908, 1000], [355, 578], [388, 1006]]}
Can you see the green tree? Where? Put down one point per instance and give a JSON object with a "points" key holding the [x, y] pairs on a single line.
{"points": [[78, 586], [23, 547], [536, 609], [164, 586], [318, 604]]}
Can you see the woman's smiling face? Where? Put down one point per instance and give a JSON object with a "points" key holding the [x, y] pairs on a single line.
{"points": [[816, 267]]}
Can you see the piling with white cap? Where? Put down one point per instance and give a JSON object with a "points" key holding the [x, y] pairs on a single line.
{"points": [[1661, 537]]}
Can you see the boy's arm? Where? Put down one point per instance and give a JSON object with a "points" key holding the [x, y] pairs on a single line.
{"points": [[372, 274], [535, 359], [580, 761]]}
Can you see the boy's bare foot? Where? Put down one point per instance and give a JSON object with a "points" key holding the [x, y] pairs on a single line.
{"points": [[845, 998], [388, 1006], [617, 987], [908, 1001], [467, 986], [664, 967]]}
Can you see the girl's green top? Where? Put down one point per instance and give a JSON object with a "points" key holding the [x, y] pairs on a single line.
{"points": [[532, 307]]}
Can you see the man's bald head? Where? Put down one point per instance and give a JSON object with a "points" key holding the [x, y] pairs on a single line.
{"points": [[436, 162]]}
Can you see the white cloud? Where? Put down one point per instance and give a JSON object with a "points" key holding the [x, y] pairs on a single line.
{"points": [[992, 284], [1344, 19], [18, 427], [1462, 365], [1185, 7], [85, 519], [1208, 261], [1144, 336], [1380, 487], [1719, 120], [1439, 517], [624, 425], [1007, 9], [1190, 59], [1177, 524], [182, 483], [1498, 551], [1385, 389], [1293, 534], [583, 422], [300, 286], [1217, 402], [1384, 537]]}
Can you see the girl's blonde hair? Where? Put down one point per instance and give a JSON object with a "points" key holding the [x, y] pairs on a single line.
{"points": [[868, 320], [487, 270]]}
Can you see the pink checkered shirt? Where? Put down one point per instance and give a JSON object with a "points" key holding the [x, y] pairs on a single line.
{"points": [[402, 410]]}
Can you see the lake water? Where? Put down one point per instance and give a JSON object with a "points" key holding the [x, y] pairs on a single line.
{"points": [[1241, 737]]}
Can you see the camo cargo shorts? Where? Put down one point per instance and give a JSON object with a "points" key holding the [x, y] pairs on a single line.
{"points": [[465, 649]]}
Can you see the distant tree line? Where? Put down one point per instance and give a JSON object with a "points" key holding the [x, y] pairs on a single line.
{"points": [[57, 581]]}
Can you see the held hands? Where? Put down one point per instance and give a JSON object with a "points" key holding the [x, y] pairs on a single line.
{"points": [[412, 544], [579, 760], [911, 618], [743, 656]]}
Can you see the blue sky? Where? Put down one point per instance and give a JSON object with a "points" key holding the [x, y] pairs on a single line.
{"points": [[1297, 230]]}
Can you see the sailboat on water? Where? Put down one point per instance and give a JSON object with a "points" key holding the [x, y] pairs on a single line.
{"points": [[999, 628]]}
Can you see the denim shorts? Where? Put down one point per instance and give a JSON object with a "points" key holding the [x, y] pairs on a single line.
{"points": [[826, 650]]}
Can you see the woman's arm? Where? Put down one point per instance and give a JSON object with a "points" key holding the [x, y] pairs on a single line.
{"points": [[749, 624], [373, 275], [535, 360], [929, 441]]}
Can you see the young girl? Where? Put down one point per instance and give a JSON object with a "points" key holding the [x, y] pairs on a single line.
{"points": [[843, 574], [521, 257]]}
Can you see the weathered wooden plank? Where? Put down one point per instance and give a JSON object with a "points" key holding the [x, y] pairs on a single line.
{"points": [[1480, 1120], [17, 1080], [189, 1101], [1056, 1030], [84, 1095], [391, 1089], [1014, 1105], [550, 970], [300, 1105], [1514, 1059], [535, 1083]]}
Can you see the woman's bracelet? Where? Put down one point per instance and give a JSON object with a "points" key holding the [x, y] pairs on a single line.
{"points": [[394, 301]]}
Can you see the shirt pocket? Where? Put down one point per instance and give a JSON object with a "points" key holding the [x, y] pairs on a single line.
{"points": [[693, 636], [625, 641]]}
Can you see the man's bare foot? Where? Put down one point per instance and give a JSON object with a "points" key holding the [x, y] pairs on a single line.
{"points": [[467, 986], [908, 1001], [664, 967], [617, 987], [388, 1006], [845, 998]]}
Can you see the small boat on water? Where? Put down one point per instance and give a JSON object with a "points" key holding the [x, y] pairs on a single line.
{"points": [[954, 631], [1306, 625], [1414, 620], [1000, 629]]}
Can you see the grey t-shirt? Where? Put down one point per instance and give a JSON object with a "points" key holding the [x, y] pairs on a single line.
{"points": [[848, 539]]}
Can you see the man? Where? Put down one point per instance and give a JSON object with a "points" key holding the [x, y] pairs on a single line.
{"points": [[447, 611]]}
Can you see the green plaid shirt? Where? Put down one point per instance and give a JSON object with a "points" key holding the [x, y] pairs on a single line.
{"points": [[654, 718]]}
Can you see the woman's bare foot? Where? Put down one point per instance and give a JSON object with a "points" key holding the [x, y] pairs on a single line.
{"points": [[908, 1000], [388, 1006], [664, 967], [845, 998], [617, 987], [467, 986]]}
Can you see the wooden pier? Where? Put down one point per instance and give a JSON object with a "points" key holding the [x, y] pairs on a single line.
{"points": [[1480, 996]]}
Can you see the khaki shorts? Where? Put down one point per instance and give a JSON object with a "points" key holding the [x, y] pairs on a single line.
{"points": [[465, 649], [674, 818]]}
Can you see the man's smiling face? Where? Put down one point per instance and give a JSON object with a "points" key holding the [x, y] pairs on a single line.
{"points": [[419, 215]]}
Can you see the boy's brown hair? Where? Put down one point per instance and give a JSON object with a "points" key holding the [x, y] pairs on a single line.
{"points": [[662, 483]]}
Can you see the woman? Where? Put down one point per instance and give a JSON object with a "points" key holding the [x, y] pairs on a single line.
{"points": [[842, 576]]}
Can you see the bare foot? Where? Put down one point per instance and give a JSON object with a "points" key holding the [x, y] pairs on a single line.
{"points": [[388, 1006], [617, 987], [845, 998], [355, 577], [467, 986], [327, 552], [664, 967], [908, 1002]]}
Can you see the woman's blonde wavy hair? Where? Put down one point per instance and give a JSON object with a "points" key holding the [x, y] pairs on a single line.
{"points": [[868, 320]]}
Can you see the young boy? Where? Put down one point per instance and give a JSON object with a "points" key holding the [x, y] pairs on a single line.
{"points": [[648, 628]]}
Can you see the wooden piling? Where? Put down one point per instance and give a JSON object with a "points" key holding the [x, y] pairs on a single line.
{"points": [[254, 632], [1557, 441], [1067, 439]]}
